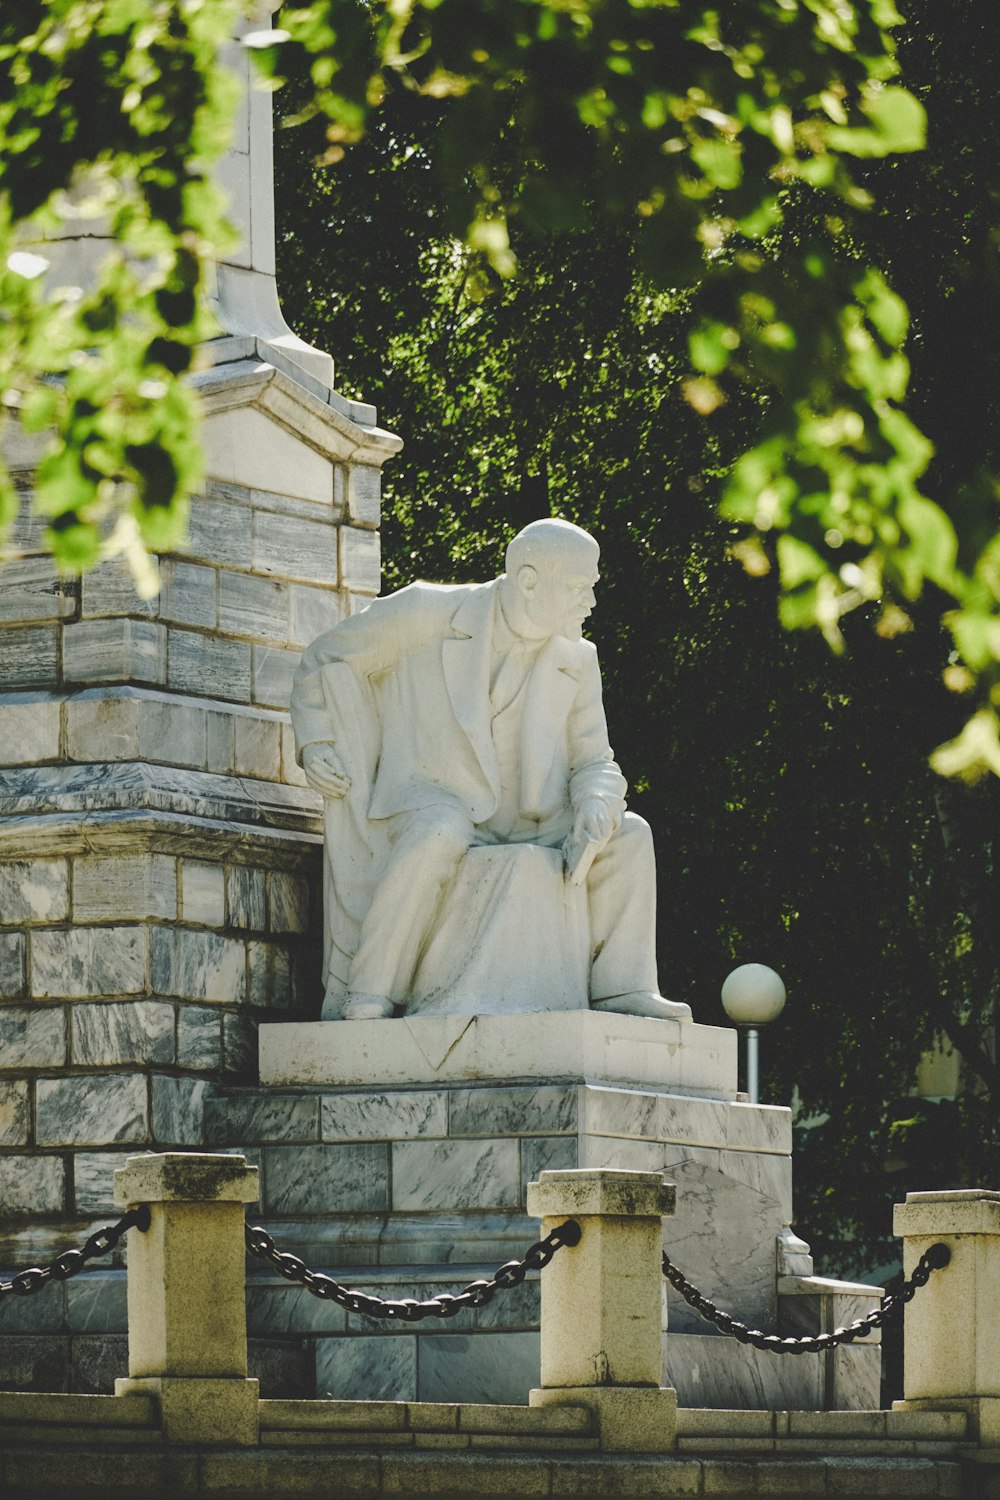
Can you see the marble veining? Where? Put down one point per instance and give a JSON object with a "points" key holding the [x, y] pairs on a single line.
{"points": [[92, 1111], [463, 1367], [233, 1118], [135, 1032], [397, 1115], [469, 1174], [318, 1179], [513, 1111], [366, 1368]]}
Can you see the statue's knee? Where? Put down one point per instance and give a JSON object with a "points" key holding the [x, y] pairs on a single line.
{"points": [[635, 830], [445, 837]]}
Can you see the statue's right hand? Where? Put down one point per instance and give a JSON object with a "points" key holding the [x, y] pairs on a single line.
{"points": [[324, 770]]}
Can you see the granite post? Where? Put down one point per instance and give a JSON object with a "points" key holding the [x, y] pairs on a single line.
{"points": [[601, 1305], [187, 1334], [951, 1355]]}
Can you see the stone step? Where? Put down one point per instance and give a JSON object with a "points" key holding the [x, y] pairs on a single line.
{"points": [[54, 1410], [402, 1417]]}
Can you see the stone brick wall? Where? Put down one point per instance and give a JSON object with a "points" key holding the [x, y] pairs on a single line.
{"points": [[160, 864]]}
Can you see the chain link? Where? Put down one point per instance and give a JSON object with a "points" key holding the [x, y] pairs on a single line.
{"points": [[933, 1259], [407, 1309], [71, 1262]]}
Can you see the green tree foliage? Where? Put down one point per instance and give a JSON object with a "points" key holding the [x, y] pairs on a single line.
{"points": [[797, 819], [112, 113]]}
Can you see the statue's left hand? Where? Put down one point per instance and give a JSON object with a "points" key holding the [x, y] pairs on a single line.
{"points": [[594, 821], [324, 770]]}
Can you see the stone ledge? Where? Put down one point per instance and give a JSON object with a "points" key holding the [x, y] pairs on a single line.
{"points": [[134, 786], [584, 1046]]}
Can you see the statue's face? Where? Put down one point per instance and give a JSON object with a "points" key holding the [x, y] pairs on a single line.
{"points": [[561, 596]]}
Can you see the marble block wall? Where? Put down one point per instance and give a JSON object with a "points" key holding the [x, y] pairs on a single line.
{"points": [[159, 850]]}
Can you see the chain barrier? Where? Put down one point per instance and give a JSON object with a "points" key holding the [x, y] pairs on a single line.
{"points": [[408, 1309], [933, 1259], [71, 1262]]}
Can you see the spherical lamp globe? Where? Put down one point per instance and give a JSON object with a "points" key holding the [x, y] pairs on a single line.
{"points": [[753, 995]]}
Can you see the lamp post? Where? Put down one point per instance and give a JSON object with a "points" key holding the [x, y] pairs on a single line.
{"points": [[752, 996]]}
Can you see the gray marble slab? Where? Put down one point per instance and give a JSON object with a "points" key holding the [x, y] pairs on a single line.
{"points": [[29, 728], [34, 890], [293, 548], [317, 1179], [366, 1368], [187, 593], [718, 1372], [234, 1118], [173, 729], [13, 1112], [13, 972], [113, 650], [32, 1037], [256, 746], [397, 1115], [84, 961], [696, 1122], [93, 1180], [269, 974], [203, 892], [280, 1308], [198, 965], [217, 533], [287, 902], [513, 1111], [33, 591], [137, 1031], [97, 1302], [245, 898], [199, 1037], [124, 885], [856, 1377], [478, 1174], [254, 607], [212, 666], [239, 1046], [547, 1153], [516, 1309], [312, 612], [29, 656], [495, 1367], [82, 1110], [32, 1184], [273, 671], [178, 1111], [109, 589]]}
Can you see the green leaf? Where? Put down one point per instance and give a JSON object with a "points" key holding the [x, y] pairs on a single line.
{"points": [[900, 119]]}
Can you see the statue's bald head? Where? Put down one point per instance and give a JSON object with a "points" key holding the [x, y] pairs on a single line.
{"points": [[548, 588], [550, 542]]}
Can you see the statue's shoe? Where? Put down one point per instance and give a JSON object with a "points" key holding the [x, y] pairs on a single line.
{"points": [[645, 1003], [367, 1008]]}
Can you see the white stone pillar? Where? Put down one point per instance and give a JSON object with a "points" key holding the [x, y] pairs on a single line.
{"points": [[602, 1305], [187, 1335], [951, 1353]]}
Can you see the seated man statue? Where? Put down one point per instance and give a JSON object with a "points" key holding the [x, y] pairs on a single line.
{"points": [[444, 719]]}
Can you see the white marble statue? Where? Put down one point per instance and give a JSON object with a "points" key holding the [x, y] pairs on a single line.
{"points": [[478, 855]]}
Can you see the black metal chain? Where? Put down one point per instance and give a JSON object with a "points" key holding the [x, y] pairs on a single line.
{"points": [[407, 1309], [72, 1261], [933, 1259]]}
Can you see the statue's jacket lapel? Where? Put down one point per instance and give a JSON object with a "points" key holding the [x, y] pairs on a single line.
{"points": [[465, 660]]}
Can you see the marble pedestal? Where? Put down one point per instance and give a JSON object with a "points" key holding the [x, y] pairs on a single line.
{"points": [[397, 1154]]}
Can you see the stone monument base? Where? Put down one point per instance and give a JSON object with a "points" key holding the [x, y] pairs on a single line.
{"points": [[396, 1155]]}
